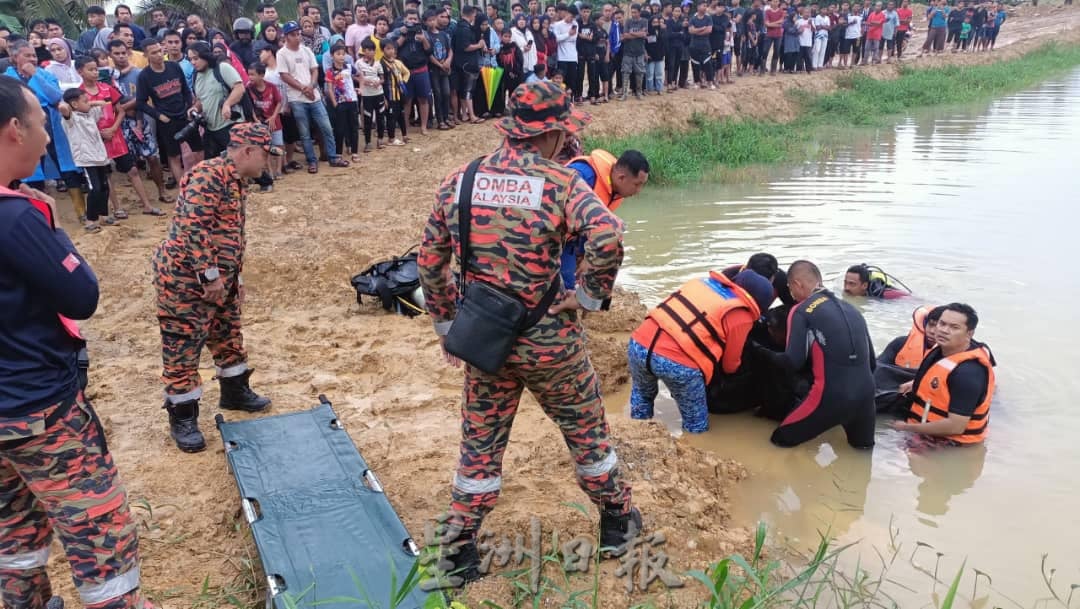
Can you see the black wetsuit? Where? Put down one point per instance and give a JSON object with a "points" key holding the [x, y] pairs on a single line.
{"points": [[830, 337], [888, 377]]}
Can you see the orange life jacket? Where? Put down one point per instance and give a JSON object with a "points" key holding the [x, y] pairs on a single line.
{"points": [[602, 162], [694, 316], [932, 395], [914, 350], [70, 326]]}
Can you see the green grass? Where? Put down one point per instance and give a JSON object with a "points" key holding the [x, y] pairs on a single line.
{"points": [[707, 145]]}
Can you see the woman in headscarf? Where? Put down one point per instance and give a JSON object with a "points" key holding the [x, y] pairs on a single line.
{"points": [[62, 66], [328, 58], [523, 38], [312, 38], [101, 41]]}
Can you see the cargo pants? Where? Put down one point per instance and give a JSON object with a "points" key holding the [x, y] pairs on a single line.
{"points": [[56, 473], [188, 322], [552, 363]]}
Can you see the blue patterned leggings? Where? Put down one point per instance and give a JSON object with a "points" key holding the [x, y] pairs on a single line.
{"points": [[687, 386]]}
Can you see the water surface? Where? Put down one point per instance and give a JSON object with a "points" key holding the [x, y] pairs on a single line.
{"points": [[974, 204]]}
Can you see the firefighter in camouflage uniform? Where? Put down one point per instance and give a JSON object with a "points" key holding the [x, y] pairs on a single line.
{"points": [[56, 473], [516, 242], [199, 290]]}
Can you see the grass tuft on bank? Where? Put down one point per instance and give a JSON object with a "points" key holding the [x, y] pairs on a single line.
{"points": [[708, 144]]}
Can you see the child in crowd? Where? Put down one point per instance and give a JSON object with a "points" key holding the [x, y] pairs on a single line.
{"points": [[539, 73], [344, 104], [512, 61], [88, 152], [559, 78], [965, 35], [748, 58], [109, 125], [726, 56], [268, 105], [397, 75], [371, 94]]}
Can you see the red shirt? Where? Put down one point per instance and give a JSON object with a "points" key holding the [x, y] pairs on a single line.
{"points": [[266, 102], [116, 147], [874, 23], [777, 16], [904, 14]]}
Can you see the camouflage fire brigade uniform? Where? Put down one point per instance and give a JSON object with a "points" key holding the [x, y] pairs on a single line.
{"points": [[205, 240], [56, 473], [517, 250]]}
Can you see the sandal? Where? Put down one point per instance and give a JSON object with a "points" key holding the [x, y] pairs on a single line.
{"points": [[339, 162], [120, 214], [92, 228], [162, 199], [108, 221], [153, 211], [477, 121], [356, 158], [295, 165], [313, 168]]}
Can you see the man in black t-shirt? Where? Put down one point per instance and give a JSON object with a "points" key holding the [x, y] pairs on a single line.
{"points": [[721, 22], [587, 55], [467, 48], [414, 50], [700, 27], [164, 84]]}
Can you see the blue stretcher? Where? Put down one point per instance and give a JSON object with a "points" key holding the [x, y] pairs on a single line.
{"points": [[326, 534]]}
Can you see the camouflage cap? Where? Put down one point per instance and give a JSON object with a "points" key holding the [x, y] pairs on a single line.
{"points": [[539, 107], [252, 134]]}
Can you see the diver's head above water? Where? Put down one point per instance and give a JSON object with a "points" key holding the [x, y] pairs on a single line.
{"points": [[803, 279], [857, 280]]}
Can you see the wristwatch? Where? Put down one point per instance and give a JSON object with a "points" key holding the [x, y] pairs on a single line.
{"points": [[210, 275]]}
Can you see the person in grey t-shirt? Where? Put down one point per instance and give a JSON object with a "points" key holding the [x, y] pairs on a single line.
{"points": [[634, 32]]}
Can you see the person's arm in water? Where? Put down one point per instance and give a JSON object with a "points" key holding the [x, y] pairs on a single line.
{"points": [[967, 387], [888, 356], [737, 327], [794, 357]]}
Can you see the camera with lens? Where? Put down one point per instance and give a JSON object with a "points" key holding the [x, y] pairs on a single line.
{"points": [[413, 28], [198, 119]]}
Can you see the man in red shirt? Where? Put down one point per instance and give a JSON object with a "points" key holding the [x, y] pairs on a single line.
{"points": [[774, 36], [875, 23], [902, 30]]}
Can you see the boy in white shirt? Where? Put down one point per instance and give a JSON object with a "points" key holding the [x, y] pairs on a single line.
{"points": [[88, 152]]}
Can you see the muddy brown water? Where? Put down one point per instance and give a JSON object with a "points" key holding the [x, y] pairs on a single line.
{"points": [[975, 204]]}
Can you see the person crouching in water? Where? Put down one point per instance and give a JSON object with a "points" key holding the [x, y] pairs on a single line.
{"points": [[696, 333]]}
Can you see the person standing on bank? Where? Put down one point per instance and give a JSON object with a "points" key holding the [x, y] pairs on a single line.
{"points": [[199, 289], [56, 471], [516, 250]]}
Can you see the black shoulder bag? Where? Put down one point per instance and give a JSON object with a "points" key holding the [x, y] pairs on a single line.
{"points": [[488, 321]]}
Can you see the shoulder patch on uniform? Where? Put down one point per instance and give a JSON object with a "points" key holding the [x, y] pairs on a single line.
{"points": [[498, 190], [71, 263]]}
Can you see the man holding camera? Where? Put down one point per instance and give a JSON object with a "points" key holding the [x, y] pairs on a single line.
{"points": [[218, 91], [199, 290]]}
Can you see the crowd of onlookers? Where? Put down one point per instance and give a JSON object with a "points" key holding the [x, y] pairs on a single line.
{"points": [[151, 99]]}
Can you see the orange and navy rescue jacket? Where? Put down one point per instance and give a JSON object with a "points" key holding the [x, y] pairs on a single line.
{"points": [[44, 284], [913, 351], [932, 397], [601, 162], [705, 322]]}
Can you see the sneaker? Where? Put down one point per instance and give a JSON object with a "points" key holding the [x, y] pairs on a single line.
{"points": [[266, 188], [396, 142]]}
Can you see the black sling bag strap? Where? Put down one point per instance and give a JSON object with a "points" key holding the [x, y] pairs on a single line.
{"points": [[488, 321]]}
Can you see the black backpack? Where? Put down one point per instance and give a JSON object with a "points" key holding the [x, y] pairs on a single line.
{"points": [[248, 112], [393, 283]]}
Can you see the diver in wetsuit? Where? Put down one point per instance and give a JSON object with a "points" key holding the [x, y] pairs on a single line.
{"points": [[830, 337]]}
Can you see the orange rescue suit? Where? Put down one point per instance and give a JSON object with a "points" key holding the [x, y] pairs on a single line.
{"points": [[698, 318], [932, 395], [914, 350], [602, 162]]}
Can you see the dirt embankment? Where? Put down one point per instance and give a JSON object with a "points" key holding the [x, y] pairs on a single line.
{"points": [[307, 336]]}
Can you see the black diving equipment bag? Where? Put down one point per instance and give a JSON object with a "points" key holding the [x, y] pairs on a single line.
{"points": [[394, 282], [488, 321]]}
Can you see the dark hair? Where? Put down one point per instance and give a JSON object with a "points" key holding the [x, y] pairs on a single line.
{"points": [[763, 264], [205, 52], [309, 8], [540, 70], [117, 44], [635, 6], [388, 44], [517, 5], [966, 310], [430, 14], [33, 24], [337, 12], [468, 10], [149, 42], [777, 317], [382, 18], [265, 5], [934, 314], [804, 266], [633, 161], [367, 44], [94, 10], [124, 25], [116, 11], [52, 21], [168, 33], [82, 60], [71, 95], [13, 102], [862, 271], [258, 67], [374, 6]]}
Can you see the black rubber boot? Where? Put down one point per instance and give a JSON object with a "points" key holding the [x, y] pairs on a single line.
{"points": [[617, 529], [236, 394], [184, 426], [466, 564]]}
